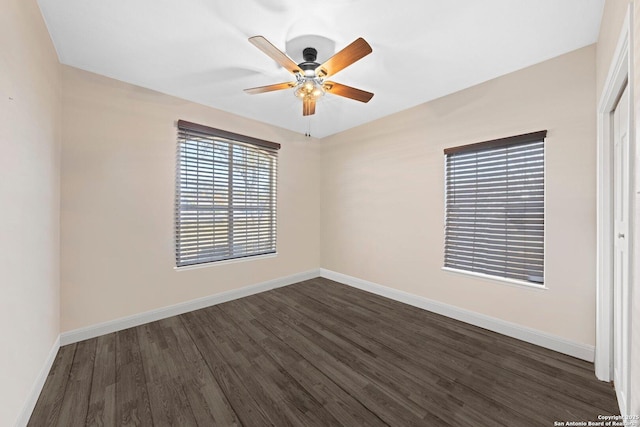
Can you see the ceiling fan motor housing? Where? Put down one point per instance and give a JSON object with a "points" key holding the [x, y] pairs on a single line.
{"points": [[310, 55]]}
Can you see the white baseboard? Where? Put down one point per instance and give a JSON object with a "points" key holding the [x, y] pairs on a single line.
{"points": [[181, 308], [34, 394], [533, 336]]}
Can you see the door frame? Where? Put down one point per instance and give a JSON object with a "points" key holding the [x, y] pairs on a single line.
{"points": [[619, 75]]}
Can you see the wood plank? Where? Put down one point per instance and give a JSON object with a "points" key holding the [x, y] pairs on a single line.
{"points": [[76, 396], [208, 402], [333, 398], [559, 372], [543, 384], [242, 400], [374, 389], [283, 399], [429, 386], [102, 400], [47, 409], [132, 399], [168, 402]]}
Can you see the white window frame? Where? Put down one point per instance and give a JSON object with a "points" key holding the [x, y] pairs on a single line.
{"points": [[216, 193], [514, 140]]}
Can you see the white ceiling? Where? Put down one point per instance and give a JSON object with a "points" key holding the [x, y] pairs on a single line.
{"points": [[422, 49]]}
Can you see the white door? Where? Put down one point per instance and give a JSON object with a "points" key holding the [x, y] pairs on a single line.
{"points": [[621, 249]]}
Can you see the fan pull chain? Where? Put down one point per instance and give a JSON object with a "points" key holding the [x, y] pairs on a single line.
{"points": [[308, 133]]}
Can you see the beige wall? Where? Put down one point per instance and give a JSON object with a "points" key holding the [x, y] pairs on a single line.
{"points": [[29, 196], [383, 195], [118, 187]]}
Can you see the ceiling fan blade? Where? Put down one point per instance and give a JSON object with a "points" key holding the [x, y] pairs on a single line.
{"points": [[275, 54], [347, 56], [308, 106], [347, 91], [270, 88]]}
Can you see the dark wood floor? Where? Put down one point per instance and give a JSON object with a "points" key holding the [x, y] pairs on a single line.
{"points": [[316, 353]]}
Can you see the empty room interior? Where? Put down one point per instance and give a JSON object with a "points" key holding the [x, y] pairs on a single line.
{"points": [[349, 212]]}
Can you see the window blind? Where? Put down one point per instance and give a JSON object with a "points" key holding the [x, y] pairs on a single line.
{"points": [[494, 215], [225, 195]]}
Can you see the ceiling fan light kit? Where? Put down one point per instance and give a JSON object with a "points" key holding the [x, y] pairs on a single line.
{"points": [[311, 88], [310, 84]]}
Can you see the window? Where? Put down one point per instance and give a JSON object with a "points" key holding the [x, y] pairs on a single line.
{"points": [[225, 195], [494, 215]]}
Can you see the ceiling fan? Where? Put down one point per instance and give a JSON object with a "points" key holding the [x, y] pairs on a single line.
{"points": [[310, 83]]}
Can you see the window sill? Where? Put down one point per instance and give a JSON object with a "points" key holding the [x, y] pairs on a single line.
{"points": [[494, 279], [225, 262]]}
